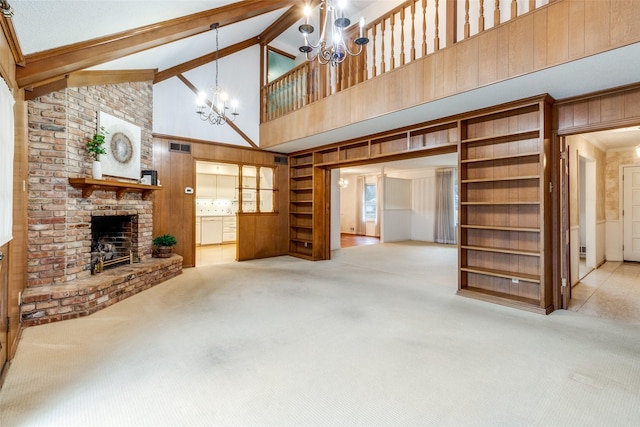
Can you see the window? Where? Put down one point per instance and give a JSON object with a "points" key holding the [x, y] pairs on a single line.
{"points": [[370, 202], [257, 189]]}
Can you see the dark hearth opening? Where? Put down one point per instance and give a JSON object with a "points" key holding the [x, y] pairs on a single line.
{"points": [[114, 240]]}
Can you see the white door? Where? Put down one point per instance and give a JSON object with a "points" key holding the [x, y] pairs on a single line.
{"points": [[631, 219]]}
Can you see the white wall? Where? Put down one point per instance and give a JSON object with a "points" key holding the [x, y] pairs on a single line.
{"points": [[174, 104], [396, 210], [347, 206]]}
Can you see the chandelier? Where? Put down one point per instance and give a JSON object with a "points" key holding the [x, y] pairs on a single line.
{"points": [[330, 48], [215, 111]]}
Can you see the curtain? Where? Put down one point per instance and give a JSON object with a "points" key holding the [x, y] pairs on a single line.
{"points": [[445, 227], [379, 202], [361, 225], [6, 162]]}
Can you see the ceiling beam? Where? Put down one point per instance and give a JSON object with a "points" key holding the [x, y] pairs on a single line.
{"points": [[55, 63], [205, 59], [290, 17]]}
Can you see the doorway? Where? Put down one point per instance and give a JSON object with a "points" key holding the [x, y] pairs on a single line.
{"points": [[401, 206], [600, 164], [216, 208]]}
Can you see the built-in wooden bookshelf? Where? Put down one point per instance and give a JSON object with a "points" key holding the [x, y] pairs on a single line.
{"points": [[503, 191], [301, 205]]}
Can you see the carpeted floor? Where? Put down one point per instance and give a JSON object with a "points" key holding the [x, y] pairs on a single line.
{"points": [[374, 337]]}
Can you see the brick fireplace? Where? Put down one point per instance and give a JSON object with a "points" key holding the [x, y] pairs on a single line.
{"points": [[61, 220]]}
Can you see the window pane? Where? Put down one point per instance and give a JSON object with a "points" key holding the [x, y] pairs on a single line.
{"points": [[370, 202], [266, 201], [266, 178]]}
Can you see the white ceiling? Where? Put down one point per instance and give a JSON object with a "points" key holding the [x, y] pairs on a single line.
{"points": [[46, 24]]}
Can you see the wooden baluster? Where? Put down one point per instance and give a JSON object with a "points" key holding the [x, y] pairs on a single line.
{"points": [[436, 39], [373, 51], [413, 31], [514, 9], [481, 18], [424, 27], [392, 21], [383, 67], [467, 26], [402, 12], [297, 81], [496, 14], [532, 5]]}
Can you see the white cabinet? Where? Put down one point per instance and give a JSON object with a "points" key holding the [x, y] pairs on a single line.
{"points": [[226, 187], [198, 230], [206, 186], [211, 230], [229, 229]]}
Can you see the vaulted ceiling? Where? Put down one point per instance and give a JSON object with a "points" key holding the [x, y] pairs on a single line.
{"points": [[67, 42]]}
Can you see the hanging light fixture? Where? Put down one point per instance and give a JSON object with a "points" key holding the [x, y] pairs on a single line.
{"points": [[215, 111], [330, 48], [343, 183]]}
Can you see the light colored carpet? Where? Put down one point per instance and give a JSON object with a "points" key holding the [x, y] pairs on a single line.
{"points": [[374, 337]]}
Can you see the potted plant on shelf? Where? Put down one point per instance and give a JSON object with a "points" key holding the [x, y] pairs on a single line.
{"points": [[163, 245], [95, 147]]}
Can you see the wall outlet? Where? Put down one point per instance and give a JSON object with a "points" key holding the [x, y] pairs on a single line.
{"points": [[352, 229]]}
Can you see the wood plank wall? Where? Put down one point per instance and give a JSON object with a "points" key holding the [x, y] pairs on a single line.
{"points": [[562, 31], [15, 261], [259, 235]]}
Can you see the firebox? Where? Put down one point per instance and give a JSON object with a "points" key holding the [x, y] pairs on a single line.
{"points": [[114, 241]]}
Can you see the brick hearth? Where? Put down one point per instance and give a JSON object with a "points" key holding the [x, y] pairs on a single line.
{"points": [[81, 297]]}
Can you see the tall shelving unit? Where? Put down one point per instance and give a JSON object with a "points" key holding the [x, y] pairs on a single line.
{"points": [[301, 206], [504, 188]]}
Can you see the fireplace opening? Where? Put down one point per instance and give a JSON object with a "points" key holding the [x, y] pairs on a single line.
{"points": [[113, 241]]}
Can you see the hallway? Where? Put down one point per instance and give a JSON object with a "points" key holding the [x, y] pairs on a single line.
{"points": [[611, 292], [377, 336]]}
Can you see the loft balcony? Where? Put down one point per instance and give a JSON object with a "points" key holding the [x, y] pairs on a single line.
{"points": [[423, 54]]}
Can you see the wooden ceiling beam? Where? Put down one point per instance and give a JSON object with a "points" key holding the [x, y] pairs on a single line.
{"points": [[205, 59], [289, 18], [54, 63], [105, 77]]}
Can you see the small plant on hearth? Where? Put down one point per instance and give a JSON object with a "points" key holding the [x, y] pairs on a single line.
{"points": [[163, 245]]}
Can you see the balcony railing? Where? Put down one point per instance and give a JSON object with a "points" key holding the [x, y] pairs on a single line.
{"points": [[410, 31]]}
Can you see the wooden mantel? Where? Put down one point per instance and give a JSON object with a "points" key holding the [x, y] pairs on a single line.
{"points": [[89, 185]]}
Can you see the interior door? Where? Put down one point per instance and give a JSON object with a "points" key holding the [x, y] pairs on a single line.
{"points": [[565, 253], [631, 213]]}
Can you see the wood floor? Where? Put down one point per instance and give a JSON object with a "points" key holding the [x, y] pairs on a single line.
{"points": [[349, 240]]}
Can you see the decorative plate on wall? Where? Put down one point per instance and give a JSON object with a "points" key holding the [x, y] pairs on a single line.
{"points": [[123, 147]]}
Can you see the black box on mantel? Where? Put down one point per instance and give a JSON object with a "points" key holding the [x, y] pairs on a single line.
{"points": [[153, 175]]}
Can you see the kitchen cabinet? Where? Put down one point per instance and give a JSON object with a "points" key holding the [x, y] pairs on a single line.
{"points": [[229, 229], [198, 230], [206, 186], [226, 187], [211, 230]]}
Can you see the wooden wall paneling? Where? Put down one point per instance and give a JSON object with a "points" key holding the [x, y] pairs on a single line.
{"points": [[625, 15], [487, 57], [174, 211], [467, 77], [4, 307], [181, 168], [599, 111], [597, 15], [540, 40], [521, 46], [577, 29], [18, 246], [557, 33]]}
